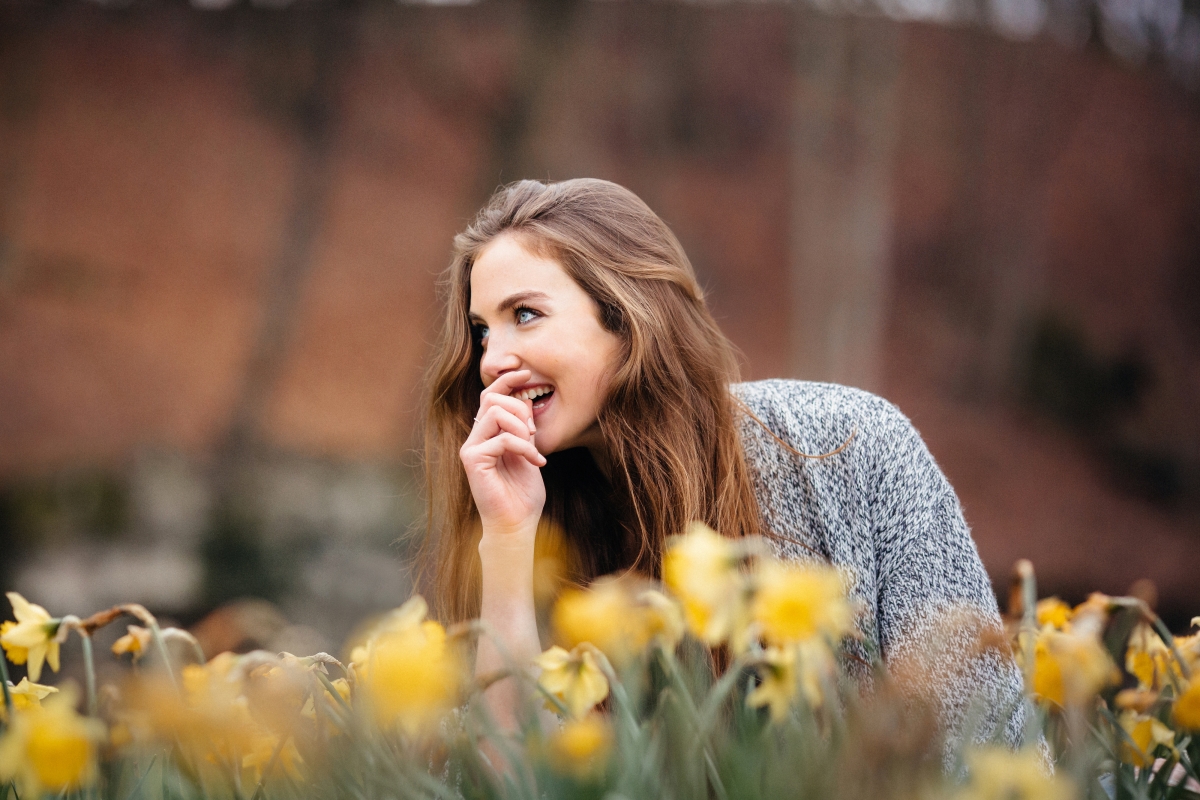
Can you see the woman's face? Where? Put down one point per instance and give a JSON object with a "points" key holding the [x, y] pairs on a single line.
{"points": [[530, 315]]}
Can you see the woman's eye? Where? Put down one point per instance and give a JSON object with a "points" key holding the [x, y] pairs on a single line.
{"points": [[481, 333], [525, 315]]}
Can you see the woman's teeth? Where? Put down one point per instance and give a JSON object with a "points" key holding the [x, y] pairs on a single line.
{"points": [[533, 393]]}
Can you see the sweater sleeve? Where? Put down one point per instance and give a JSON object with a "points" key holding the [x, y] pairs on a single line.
{"points": [[937, 617]]}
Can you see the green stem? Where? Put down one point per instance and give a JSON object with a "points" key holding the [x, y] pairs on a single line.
{"points": [[1161, 629], [8, 703], [337, 696], [89, 672], [137, 787], [1028, 620], [161, 646]]}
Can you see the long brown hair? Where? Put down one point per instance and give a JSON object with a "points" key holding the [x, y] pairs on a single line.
{"points": [[668, 419]]}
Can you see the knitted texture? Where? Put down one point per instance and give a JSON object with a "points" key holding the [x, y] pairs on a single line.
{"points": [[883, 509]]}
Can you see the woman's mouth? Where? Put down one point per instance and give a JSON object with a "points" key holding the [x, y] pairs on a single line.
{"points": [[540, 395]]}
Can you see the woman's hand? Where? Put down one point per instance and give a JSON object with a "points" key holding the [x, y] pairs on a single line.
{"points": [[502, 467], [502, 462]]}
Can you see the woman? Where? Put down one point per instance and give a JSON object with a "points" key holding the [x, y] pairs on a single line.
{"points": [[582, 385]]}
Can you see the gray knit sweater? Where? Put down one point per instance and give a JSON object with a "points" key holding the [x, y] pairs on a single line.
{"points": [[883, 508]]}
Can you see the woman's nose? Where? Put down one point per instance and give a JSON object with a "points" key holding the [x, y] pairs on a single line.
{"points": [[498, 357]]}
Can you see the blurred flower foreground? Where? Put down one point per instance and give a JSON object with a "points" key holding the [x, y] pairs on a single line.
{"points": [[740, 677]]}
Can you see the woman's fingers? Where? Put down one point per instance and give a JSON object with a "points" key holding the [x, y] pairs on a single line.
{"points": [[507, 382], [497, 446], [500, 392], [498, 419], [521, 409]]}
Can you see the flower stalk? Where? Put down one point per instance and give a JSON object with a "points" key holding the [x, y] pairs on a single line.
{"points": [[8, 702], [89, 672]]}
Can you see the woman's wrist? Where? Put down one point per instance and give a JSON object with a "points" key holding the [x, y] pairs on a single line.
{"points": [[506, 558], [508, 542]]}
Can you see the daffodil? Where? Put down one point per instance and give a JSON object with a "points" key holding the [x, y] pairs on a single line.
{"points": [[276, 693], [135, 642], [581, 746], [210, 719], [659, 620], [1000, 774], [26, 694], [601, 615], [794, 604], [701, 569], [1147, 733], [412, 675], [617, 618], [573, 677], [31, 639], [262, 751], [1070, 668], [50, 748], [1187, 707], [788, 672], [1149, 659], [1189, 648], [1053, 613], [409, 615], [1141, 700], [777, 683]]}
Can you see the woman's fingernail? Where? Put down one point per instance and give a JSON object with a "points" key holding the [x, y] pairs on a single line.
{"points": [[532, 427]]}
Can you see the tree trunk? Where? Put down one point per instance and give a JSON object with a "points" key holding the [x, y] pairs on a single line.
{"points": [[841, 227]]}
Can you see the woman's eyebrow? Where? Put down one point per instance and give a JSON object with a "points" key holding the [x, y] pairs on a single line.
{"points": [[519, 298]]}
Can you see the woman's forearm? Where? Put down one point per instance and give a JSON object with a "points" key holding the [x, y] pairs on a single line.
{"points": [[507, 608]]}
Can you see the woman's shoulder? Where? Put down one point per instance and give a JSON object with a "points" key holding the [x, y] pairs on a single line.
{"points": [[818, 417]]}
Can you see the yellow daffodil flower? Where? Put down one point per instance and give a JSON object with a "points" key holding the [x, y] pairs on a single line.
{"points": [[277, 692], [25, 695], [1150, 660], [1189, 648], [1187, 708], [574, 678], [701, 569], [50, 748], [1053, 613], [1147, 733], [210, 719], [412, 675], [255, 762], [1000, 774], [409, 615], [617, 618], [1070, 668], [601, 615], [31, 639], [659, 620], [794, 604], [1141, 700], [136, 642], [581, 746], [777, 687]]}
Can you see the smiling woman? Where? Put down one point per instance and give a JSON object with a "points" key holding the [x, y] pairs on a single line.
{"points": [[582, 388]]}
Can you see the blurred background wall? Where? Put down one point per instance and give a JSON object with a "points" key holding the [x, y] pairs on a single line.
{"points": [[221, 226]]}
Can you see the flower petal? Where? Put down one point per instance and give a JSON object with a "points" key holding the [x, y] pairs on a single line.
{"points": [[25, 611], [34, 666]]}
